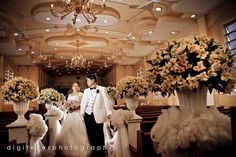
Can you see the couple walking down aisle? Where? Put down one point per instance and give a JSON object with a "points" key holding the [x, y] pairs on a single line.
{"points": [[82, 131]]}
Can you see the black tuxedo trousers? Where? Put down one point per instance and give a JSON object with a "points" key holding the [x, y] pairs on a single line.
{"points": [[95, 135]]}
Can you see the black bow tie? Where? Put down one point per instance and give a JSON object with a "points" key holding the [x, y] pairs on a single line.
{"points": [[92, 88]]}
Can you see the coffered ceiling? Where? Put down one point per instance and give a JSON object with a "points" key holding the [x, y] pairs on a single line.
{"points": [[123, 33]]}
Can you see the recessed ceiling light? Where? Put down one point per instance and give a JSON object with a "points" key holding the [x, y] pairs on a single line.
{"points": [[193, 16], [48, 18], [32, 52], [173, 33], [150, 32], [133, 38], [158, 9], [105, 21], [16, 34], [106, 32], [78, 20], [19, 49], [47, 30]]}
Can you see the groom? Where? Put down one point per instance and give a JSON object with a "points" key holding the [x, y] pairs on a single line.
{"points": [[96, 109]]}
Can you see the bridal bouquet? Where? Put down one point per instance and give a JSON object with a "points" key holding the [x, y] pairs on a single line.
{"points": [[71, 105], [48, 95], [19, 89], [131, 86], [191, 64]]}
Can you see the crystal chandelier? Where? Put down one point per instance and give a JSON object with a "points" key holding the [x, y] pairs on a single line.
{"points": [[78, 60], [86, 7]]}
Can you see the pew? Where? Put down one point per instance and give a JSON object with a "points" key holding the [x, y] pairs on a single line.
{"points": [[144, 146]]}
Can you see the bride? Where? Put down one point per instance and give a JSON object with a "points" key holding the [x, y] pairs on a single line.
{"points": [[73, 139]]}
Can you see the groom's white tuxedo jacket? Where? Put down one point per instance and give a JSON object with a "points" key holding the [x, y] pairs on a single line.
{"points": [[101, 106]]}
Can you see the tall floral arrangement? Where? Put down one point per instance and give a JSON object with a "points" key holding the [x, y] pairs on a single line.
{"points": [[131, 86], [111, 91], [62, 97], [19, 89], [191, 64], [48, 95]]}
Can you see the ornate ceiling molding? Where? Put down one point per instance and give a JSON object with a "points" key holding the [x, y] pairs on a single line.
{"points": [[87, 41]]}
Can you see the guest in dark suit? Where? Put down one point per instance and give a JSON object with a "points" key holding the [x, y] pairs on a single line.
{"points": [[96, 109]]}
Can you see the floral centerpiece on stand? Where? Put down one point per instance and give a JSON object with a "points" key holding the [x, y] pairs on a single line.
{"points": [[130, 88], [111, 91], [191, 67], [191, 64], [48, 97], [20, 91]]}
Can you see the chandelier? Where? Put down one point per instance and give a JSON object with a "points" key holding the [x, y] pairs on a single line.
{"points": [[78, 60], [86, 7]]}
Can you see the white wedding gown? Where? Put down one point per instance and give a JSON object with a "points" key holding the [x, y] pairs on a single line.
{"points": [[73, 139]]}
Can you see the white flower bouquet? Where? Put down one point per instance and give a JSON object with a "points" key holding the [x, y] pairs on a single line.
{"points": [[131, 86], [48, 95], [19, 89], [191, 64]]}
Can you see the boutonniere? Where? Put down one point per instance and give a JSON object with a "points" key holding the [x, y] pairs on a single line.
{"points": [[97, 91]]}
